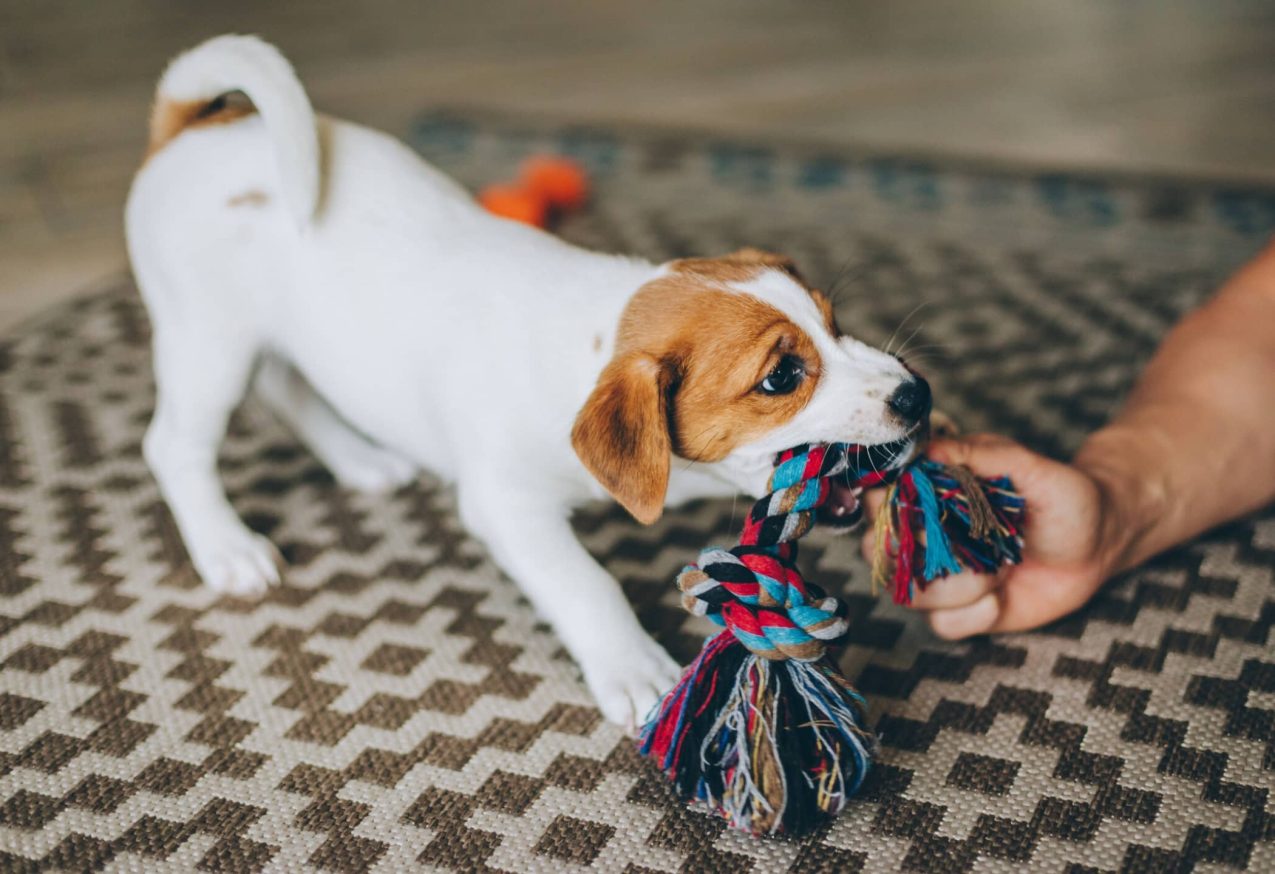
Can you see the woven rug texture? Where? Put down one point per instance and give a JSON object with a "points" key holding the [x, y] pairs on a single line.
{"points": [[396, 705]]}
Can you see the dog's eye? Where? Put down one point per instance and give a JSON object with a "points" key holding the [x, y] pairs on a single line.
{"points": [[784, 378]]}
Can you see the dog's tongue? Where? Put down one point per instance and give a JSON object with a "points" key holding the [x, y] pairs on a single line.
{"points": [[842, 507]]}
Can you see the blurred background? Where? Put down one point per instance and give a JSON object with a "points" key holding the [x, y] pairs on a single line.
{"points": [[1177, 88]]}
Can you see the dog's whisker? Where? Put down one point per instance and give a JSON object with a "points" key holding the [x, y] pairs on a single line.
{"points": [[690, 462], [845, 276], [924, 363], [947, 347], [903, 348], [929, 355], [903, 324]]}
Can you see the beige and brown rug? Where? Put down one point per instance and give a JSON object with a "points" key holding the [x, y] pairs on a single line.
{"points": [[396, 706]]}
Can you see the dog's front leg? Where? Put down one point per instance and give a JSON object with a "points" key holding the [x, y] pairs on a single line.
{"points": [[532, 540]]}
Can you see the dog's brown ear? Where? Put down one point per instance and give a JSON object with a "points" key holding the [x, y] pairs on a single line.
{"points": [[622, 433], [752, 255]]}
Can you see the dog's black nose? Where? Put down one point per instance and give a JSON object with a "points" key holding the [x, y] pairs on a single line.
{"points": [[911, 400]]}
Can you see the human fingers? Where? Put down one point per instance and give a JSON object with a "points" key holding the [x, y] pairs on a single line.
{"points": [[1022, 602], [977, 617], [988, 455], [953, 592]]}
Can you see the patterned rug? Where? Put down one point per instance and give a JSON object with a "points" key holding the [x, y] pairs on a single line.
{"points": [[396, 705]]}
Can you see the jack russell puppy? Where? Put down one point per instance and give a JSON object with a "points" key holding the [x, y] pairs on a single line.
{"points": [[394, 325]]}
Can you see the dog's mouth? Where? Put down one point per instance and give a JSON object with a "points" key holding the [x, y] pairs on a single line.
{"points": [[843, 508]]}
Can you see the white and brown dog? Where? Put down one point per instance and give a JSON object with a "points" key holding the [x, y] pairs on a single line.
{"points": [[395, 325]]}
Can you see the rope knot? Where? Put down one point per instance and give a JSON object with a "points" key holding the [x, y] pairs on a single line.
{"points": [[762, 599], [755, 589]]}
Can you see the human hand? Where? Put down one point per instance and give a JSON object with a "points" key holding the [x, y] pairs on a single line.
{"points": [[1073, 543]]}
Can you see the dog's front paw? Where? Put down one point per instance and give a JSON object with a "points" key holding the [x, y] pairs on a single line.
{"points": [[629, 678], [238, 562]]}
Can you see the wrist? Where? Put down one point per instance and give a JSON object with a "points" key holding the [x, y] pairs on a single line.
{"points": [[1133, 495]]}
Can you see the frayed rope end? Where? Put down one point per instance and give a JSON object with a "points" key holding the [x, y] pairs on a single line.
{"points": [[969, 524], [773, 746]]}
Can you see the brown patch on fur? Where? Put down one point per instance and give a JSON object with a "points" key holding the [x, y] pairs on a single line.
{"points": [[597, 342], [170, 117], [753, 255], [249, 198], [622, 436], [689, 355], [747, 263], [825, 308], [717, 271]]}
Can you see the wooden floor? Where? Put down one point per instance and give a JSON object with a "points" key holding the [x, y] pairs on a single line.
{"points": [[1177, 87]]}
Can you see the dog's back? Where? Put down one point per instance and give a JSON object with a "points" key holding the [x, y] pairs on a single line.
{"points": [[260, 226]]}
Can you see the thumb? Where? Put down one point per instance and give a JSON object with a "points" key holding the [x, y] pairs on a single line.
{"points": [[988, 455]]}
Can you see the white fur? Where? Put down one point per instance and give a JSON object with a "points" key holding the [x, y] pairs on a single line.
{"points": [[394, 325], [245, 63]]}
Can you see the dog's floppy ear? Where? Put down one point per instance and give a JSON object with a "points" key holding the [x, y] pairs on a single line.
{"points": [[622, 433]]}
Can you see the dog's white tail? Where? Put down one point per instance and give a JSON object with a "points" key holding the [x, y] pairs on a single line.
{"points": [[192, 92]]}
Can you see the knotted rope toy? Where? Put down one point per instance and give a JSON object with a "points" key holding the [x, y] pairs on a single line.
{"points": [[762, 725]]}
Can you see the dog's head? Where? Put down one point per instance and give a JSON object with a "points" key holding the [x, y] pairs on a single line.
{"points": [[729, 361]]}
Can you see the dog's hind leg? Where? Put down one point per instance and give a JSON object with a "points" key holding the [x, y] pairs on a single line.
{"points": [[201, 375], [354, 459]]}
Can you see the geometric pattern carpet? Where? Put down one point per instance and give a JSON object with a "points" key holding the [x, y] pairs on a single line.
{"points": [[396, 705]]}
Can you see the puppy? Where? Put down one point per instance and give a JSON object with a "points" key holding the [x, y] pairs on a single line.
{"points": [[394, 325]]}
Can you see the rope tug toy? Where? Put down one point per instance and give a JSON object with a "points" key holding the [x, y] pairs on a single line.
{"points": [[763, 726]]}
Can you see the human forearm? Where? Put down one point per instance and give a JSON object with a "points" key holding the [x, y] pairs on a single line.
{"points": [[1194, 445]]}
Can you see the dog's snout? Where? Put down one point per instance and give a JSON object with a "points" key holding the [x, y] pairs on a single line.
{"points": [[911, 400]]}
